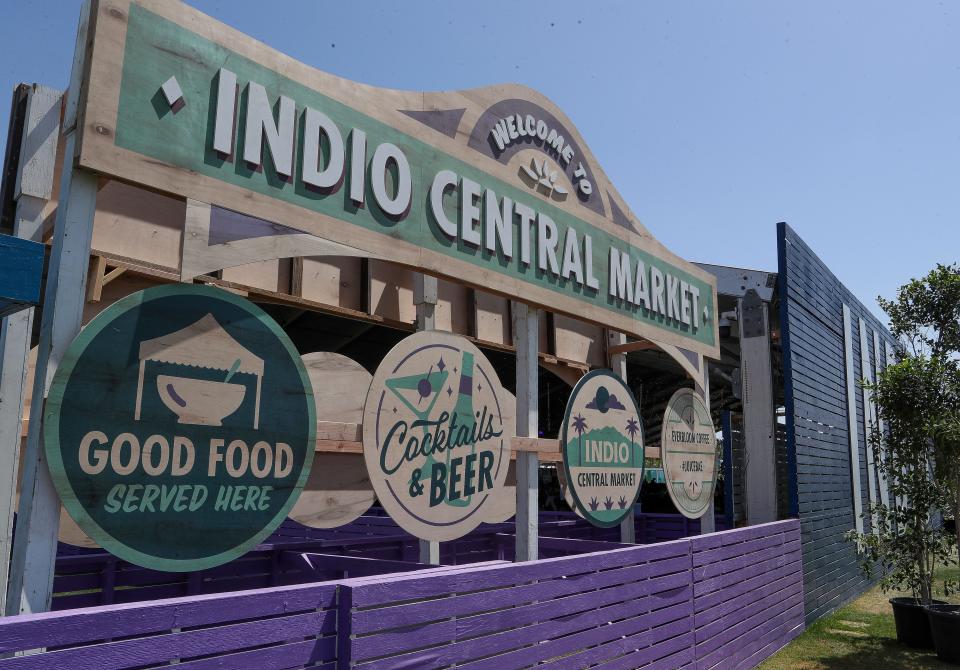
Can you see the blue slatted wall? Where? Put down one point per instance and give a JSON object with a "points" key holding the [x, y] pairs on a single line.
{"points": [[811, 318]]}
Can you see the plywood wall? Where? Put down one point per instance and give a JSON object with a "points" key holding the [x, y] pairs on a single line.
{"points": [[139, 224], [146, 227]]}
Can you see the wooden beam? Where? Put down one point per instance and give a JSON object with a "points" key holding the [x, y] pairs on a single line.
{"points": [[626, 347], [335, 437], [425, 290], [618, 363], [35, 544], [32, 191], [98, 268], [526, 341], [758, 423]]}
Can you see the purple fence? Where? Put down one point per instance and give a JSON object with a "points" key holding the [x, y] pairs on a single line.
{"points": [[725, 600], [370, 545]]}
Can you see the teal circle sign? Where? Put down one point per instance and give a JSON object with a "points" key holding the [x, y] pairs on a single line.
{"points": [[602, 445], [180, 427]]}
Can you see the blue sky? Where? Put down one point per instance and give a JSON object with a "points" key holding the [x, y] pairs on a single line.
{"points": [[714, 119]]}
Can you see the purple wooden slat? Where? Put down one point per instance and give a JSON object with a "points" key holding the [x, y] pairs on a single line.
{"points": [[114, 621], [714, 556], [709, 576], [672, 654], [185, 644], [734, 653], [556, 637], [578, 546], [747, 629], [759, 587], [775, 641], [468, 579], [659, 592], [766, 562], [292, 655], [612, 641], [367, 565], [714, 632], [512, 595]]}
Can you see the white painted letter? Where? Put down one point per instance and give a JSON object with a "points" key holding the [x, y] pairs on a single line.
{"points": [[656, 290], [526, 218], [314, 124], [547, 240], [619, 285], [470, 212], [226, 111], [641, 292], [279, 133], [100, 455], [441, 182], [571, 257], [398, 205], [497, 228], [592, 280], [358, 165]]}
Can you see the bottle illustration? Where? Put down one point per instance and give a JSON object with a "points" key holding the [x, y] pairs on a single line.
{"points": [[464, 416]]}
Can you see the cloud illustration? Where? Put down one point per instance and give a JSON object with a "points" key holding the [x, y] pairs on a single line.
{"points": [[604, 401]]}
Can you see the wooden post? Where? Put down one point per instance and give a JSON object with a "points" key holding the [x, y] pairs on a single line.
{"points": [[425, 300], [33, 189], [526, 341], [757, 384], [618, 363], [35, 544], [708, 522]]}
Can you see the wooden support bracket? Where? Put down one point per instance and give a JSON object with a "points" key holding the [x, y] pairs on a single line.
{"points": [[347, 438], [627, 347], [98, 277]]}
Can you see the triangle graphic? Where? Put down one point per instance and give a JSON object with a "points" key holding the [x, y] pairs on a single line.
{"points": [[444, 121]]}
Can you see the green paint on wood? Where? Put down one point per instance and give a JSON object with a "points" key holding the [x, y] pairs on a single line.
{"points": [[603, 451], [155, 454], [157, 48]]}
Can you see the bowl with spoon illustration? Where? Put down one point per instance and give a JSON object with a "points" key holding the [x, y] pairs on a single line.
{"points": [[201, 402]]}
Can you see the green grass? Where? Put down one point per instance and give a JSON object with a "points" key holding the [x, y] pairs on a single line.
{"points": [[860, 636]]}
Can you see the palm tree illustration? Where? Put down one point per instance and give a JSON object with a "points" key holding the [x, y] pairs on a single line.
{"points": [[633, 428], [580, 425]]}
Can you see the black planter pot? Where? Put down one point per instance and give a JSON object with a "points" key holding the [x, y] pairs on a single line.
{"points": [[913, 626], [945, 629]]}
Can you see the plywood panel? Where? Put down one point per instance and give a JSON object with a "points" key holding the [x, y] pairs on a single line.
{"points": [[338, 489], [139, 224], [331, 280], [391, 291], [453, 307], [492, 318], [262, 274], [578, 341]]}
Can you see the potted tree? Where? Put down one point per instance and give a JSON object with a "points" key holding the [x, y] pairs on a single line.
{"points": [[915, 398], [926, 317]]}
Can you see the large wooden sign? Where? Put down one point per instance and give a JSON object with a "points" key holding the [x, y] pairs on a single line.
{"points": [[688, 448], [492, 187], [180, 427], [338, 489], [602, 445], [436, 436]]}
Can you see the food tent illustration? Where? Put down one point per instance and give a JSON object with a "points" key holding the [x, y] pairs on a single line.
{"points": [[203, 344]]}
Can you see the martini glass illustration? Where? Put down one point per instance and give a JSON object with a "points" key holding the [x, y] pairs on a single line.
{"points": [[419, 394]]}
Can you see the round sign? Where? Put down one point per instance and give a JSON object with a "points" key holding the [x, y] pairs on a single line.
{"points": [[602, 444], [338, 489], [436, 435], [688, 448], [180, 427]]}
